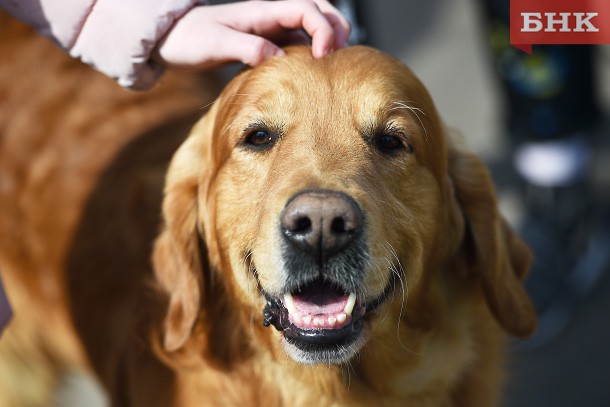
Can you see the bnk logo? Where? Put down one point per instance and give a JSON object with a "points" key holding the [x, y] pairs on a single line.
{"points": [[563, 22], [559, 22]]}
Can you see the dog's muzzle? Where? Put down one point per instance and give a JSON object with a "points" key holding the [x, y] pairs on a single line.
{"points": [[325, 256]]}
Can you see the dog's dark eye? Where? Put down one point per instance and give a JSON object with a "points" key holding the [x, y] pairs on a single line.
{"points": [[389, 143], [260, 139]]}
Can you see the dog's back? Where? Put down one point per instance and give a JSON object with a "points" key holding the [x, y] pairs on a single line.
{"points": [[81, 173]]}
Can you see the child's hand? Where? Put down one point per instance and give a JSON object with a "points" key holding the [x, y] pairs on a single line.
{"points": [[208, 36]]}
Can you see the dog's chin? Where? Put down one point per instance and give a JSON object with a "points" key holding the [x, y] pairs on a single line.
{"points": [[322, 323], [310, 353]]}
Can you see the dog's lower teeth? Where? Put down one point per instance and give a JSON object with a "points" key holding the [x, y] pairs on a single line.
{"points": [[307, 321], [318, 321]]}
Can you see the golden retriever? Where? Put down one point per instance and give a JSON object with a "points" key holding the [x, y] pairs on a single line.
{"points": [[325, 242], [82, 164]]}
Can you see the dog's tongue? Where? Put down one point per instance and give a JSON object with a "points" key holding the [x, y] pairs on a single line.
{"points": [[320, 302], [319, 306]]}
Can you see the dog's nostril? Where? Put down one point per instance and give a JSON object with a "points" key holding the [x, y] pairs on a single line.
{"points": [[338, 226], [302, 225]]}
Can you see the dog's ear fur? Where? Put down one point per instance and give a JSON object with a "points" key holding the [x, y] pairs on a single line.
{"points": [[494, 252], [177, 261]]}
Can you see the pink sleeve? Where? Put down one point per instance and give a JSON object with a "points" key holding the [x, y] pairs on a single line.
{"points": [[116, 37]]}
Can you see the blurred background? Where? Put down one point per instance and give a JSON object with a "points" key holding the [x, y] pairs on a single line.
{"points": [[450, 44]]}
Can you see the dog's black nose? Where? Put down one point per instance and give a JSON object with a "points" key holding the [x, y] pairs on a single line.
{"points": [[322, 223]]}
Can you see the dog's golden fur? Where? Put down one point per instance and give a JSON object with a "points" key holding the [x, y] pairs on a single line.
{"points": [[196, 337], [82, 163]]}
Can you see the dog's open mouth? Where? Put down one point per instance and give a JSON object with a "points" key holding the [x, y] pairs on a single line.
{"points": [[320, 316], [316, 313], [320, 306]]}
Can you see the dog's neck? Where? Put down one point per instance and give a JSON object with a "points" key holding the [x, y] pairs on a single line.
{"points": [[401, 363], [411, 364]]}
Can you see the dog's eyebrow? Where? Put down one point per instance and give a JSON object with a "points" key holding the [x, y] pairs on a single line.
{"points": [[416, 111], [255, 125], [261, 124], [372, 130]]}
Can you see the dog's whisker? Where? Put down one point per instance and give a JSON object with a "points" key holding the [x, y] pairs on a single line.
{"points": [[250, 278], [404, 288], [221, 98], [381, 344], [401, 104], [252, 324], [381, 269], [349, 374], [415, 110]]}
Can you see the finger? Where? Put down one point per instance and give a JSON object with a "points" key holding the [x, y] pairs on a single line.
{"points": [[315, 23], [247, 48], [338, 21], [269, 18]]}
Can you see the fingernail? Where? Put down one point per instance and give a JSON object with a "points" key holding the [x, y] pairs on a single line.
{"points": [[323, 52], [279, 53]]}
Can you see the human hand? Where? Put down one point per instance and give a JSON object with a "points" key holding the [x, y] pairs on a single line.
{"points": [[248, 31]]}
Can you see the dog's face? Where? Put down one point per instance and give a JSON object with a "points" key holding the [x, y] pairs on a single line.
{"points": [[323, 193], [324, 182]]}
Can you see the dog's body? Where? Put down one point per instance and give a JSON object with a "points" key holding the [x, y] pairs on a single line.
{"points": [[82, 163], [322, 194]]}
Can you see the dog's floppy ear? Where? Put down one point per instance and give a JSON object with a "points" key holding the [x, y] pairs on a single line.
{"points": [[177, 261], [494, 252]]}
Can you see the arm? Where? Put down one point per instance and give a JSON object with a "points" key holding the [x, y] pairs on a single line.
{"points": [[118, 37], [115, 37]]}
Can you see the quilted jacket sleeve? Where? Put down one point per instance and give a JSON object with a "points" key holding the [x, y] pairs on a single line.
{"points": [[116, 37]]}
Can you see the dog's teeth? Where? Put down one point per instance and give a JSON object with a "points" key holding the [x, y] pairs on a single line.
{"points": [[289, 303], [305, 321], [297, 318], [351, 301]]}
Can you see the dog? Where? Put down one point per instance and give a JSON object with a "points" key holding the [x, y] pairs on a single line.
{"points": [[325, 240], [82, 166]]}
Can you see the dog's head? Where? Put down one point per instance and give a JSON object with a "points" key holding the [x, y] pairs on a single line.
{"points": [[323, 195]]}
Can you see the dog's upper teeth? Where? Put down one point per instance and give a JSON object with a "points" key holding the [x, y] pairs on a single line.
{"points": [[349, 306]]}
